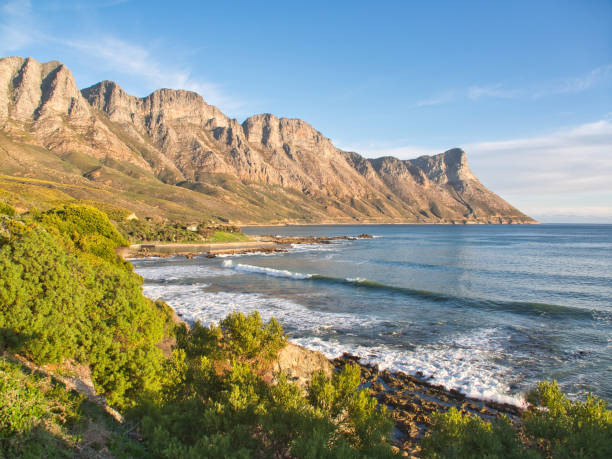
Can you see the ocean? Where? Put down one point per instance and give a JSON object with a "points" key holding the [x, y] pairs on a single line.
{"points": [[485, 309]]}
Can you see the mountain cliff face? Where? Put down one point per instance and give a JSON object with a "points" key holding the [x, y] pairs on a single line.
{"points": [[185, 151]]}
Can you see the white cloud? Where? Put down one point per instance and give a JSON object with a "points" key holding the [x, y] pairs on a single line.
{"points": [[577, 84], [398, 148], [565, 172], [120, 56], [499, 91], [19, 28], [495, 91], [81, 4], [439, 99], [16, 31]]}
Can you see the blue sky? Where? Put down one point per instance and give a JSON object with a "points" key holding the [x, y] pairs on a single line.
{"points": [[524, 87]]}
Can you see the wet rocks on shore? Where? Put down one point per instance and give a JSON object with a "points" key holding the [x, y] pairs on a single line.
{"points": [[412, 401]]}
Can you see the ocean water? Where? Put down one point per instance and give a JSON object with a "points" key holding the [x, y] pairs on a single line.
{"points": [[487, 310]]}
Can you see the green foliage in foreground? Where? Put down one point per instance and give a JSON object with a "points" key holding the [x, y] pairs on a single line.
{"points": [[64, 294], [6, 209], [553, 426], [214, 403], [564, 428], [40, 418]]}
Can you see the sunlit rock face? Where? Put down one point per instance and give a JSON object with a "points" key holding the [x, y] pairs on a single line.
{"points": [[179, 138]]}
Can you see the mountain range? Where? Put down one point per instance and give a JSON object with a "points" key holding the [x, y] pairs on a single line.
{"points": [[172, 155]]}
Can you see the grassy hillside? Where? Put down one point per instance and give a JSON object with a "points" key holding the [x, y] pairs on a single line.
{"points": [[40, 178]]}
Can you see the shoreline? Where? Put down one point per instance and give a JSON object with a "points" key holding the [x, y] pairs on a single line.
{"points": [[266, 246], [412, 401], [468, 223], [258, 244]]}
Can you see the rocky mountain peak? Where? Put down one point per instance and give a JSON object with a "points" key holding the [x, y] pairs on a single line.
{"points": [[32, 90], [265, 162], [448, 167], [285, 133]]}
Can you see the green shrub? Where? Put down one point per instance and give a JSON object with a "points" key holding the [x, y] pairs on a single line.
{"points": [[74, 221], [565, 428], [5, 209], [42, 289], [247, 338], [553, 426], [353, 410], [64, 294], [458, 435], [115, 213], [215, 403]]}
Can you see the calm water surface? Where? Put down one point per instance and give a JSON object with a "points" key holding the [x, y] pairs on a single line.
{"points": [[488, 310]]}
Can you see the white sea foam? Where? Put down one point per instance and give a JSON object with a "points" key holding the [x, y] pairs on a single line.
{"points": [[461, 362], [356, 280], [262, 270], [195, 302], [300, 248], [173, 272], [248, 254], [465, 362]]}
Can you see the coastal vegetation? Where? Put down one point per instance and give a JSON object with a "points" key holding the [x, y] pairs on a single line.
{"points": [[552, 426], [67, 300], [66, 296], [161, 231]]}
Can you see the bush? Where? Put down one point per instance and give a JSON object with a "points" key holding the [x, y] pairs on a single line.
{"points": [[247, 338], [458, 435], [351, 409], [553, 426], [41, 295], [214, 403], [565, 428], [75, 221], [64, 294], [5, 209]]}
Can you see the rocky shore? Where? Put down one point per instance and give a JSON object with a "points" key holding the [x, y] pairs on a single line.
{"points": [[259, 244], [412, 401]]}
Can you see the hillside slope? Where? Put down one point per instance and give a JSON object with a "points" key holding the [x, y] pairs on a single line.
{"points": [[172, 155]]}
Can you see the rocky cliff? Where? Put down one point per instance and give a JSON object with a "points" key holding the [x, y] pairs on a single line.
{"points": [[173, 147]]}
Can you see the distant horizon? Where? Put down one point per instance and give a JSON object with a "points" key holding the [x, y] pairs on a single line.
{"points": [[524, 88]]}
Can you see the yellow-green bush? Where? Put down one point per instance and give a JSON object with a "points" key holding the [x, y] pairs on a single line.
{"points": [[565, 428], [214, 403], [5, 209], [552, 426], [65, 294]]}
